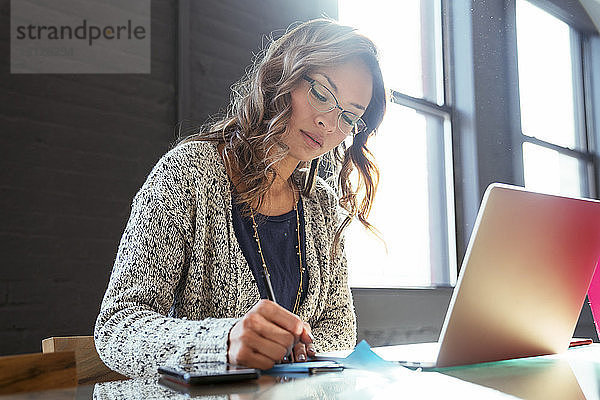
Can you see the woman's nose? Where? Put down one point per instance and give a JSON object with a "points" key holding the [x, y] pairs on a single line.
{"points": [[328, 120]]}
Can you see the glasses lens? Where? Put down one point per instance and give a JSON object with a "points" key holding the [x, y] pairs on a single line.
{"points": [[321, 98], [351, 123]]}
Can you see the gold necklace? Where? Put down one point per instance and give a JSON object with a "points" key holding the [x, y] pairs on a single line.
{"points": [[264, 264]]}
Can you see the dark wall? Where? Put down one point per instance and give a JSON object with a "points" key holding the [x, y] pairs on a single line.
{"points": [[75, 148]]}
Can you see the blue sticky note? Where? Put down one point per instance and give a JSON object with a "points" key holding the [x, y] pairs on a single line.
{"points": [[364, 358]]}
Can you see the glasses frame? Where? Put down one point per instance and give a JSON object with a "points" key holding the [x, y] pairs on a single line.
{"points": [[354, 130]]}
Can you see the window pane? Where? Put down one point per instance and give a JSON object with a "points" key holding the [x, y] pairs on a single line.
{"points": [[545, 76], [412, 67], [402, 210], [549, 171]]}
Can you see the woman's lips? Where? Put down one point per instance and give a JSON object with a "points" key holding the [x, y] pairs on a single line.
{"points": [[311, 140]]}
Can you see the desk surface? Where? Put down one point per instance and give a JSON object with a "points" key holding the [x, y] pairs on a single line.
{"points": [[574, 374]]}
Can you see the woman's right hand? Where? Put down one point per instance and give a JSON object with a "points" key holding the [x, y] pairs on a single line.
{"points": [[263, 336]]}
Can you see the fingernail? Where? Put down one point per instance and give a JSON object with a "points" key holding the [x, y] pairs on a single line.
{"points": [[285, 359], [301, 357], [311, 347]]}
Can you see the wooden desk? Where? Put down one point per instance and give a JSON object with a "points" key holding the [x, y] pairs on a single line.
{"points": [[571, 375]]}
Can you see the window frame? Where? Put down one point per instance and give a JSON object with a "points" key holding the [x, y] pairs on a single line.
{"points": [[584, 143]]}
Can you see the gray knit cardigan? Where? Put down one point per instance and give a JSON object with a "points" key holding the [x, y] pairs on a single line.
{"points": [[180, 280]]}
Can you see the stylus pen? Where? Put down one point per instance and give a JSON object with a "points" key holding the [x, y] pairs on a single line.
{"points": [[271, 296], [270, 292]]}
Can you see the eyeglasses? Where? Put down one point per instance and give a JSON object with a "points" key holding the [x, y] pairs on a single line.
{"points": [[322, 100]]}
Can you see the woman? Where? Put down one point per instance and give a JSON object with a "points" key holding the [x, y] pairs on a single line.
{"points": [[234, 202]]}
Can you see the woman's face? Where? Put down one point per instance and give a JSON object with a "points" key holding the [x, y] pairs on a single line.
{"points": [[311, 133]]}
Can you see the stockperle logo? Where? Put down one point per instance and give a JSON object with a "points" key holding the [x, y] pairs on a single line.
{"points": [[80, 36]]}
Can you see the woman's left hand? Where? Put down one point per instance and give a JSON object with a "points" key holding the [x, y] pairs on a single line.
{"points": [[301, 351]]}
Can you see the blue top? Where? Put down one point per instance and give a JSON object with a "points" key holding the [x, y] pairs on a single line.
{"points": [[278, 240]]}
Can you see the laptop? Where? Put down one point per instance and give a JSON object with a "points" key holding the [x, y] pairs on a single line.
{"points": [[522, 284]]}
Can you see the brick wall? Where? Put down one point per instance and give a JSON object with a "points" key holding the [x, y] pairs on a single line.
{"points": [[74, 149]]}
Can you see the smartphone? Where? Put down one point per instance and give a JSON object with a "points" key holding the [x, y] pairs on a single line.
{"points": [[207, 373], [240, 388]]}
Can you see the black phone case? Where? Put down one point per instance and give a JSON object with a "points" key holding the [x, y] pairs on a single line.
{"points": [[190, 378]]}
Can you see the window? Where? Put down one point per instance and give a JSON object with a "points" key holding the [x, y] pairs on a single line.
{"points": [[555, 150], [413, 208]]}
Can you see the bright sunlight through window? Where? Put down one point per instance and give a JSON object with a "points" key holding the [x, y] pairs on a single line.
{"points": [[407, 36]]}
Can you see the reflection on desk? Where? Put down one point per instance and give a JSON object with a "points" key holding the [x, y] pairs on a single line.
{"points": [[572, 375], [356, 384], [529, 379]]}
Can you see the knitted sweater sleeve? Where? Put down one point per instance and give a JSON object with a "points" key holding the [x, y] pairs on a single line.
{"points": [[134, 334], [336, 327]]}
